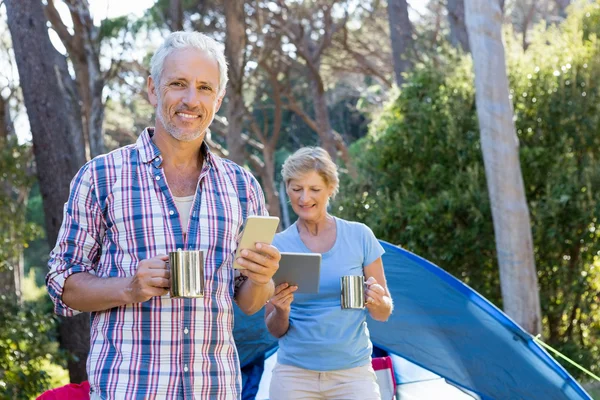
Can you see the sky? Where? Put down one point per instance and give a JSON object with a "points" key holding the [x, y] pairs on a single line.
{"points": [[101, 9]]}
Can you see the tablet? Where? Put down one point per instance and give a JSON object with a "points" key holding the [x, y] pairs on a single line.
{"points": [[299, 269], [258, 228]]}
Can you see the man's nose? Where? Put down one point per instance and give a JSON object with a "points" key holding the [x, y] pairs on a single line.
{"points": [[192, 97]]}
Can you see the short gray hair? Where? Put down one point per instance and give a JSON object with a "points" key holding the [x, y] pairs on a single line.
{"points": [[309, 159], [196, 40]]}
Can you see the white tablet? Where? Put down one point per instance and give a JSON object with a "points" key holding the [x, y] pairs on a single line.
{"points": [[258, 228], [299, 269]]}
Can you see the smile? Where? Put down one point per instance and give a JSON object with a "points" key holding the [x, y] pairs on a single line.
{"points": [[187, 116]]}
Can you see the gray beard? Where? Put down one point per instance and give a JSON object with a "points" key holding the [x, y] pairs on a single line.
{"points": [[172, 129]]}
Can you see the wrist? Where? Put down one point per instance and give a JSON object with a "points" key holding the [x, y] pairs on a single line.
{"points": [[126, 292], [260, 284]]}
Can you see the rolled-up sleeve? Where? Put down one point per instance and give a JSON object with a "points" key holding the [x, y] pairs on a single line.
{"points": [[78, 246]]}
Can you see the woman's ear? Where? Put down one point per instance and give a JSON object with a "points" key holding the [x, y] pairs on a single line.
{"points": [[331, 191]]}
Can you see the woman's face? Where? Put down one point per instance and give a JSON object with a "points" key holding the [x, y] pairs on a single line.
{"points": [[309, 194]]}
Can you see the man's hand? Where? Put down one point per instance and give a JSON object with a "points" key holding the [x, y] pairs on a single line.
{"points": [[283, 297], [261, 264], [151, 279]]}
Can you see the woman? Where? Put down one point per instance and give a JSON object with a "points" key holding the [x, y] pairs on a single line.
{"points": [[324, 350]]}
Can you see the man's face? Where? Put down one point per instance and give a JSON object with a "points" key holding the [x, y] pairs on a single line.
{"points": [[187, 96]]}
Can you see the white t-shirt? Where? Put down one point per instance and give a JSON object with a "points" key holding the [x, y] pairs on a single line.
{"points": [[184, 205]]}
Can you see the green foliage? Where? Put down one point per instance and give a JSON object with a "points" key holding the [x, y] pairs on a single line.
{"points": [[423, 183], [423, 186], [15, 181], [27, 344], [36, 255], [27, 331], [111, 27]]}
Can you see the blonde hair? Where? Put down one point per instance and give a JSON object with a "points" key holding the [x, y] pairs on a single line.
{"points": [[308, 159]]}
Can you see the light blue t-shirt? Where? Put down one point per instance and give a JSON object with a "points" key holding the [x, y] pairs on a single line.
{"points": [[322, 336]]}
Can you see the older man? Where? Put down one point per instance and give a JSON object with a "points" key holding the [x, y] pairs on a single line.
{"points": [[129, 208]]}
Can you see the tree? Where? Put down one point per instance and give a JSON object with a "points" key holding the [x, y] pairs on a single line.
{"points": [[15, 181], [500, 149], [13, 192], [176, 15], [83, 47], [401, 31], [562, 7], [235, 51], [355, 43], [422, 179], [57, 158], [458, 29], [310, 28]]}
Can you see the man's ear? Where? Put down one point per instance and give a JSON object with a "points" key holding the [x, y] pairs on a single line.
{"points": [[219, 101], [151, 87]]}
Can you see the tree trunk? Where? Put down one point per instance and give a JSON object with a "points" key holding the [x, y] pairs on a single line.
{"points": [[7, 127], [500, 148], [401, 36], [15, 195], [83, 47], [268, 182], [562, 7], [44, 98], [72, 109], [11, 278], [95, 113], [285, 214], [322, 118], [175, 15], [458, 29], [85, 55], [235, 46]]}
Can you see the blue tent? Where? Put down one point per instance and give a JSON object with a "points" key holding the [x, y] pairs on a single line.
{"points": [[445, 327]]}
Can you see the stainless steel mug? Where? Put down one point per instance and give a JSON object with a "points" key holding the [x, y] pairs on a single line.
{"points": [[187, 273], [353, 291]]}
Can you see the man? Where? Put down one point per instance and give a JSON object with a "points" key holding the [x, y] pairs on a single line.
{"points": [[128, 209]]}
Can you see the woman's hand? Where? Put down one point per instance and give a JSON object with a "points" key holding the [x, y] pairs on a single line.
{"points": [[377, 301], [283, 297]]}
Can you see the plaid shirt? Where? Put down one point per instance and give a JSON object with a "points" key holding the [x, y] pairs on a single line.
{"points": [[120, 211]]}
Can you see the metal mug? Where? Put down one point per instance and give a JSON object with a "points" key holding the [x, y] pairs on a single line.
{"points": [[353, 291], [187, 273]]}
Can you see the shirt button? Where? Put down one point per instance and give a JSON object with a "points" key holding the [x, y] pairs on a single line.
{"points": [[157, 177], [185, 369], [186, 331], [171, 212]]}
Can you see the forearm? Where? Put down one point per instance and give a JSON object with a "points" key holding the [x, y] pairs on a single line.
{"points": [[383, 311], [251, 297], [89, 293], [278, 323]]}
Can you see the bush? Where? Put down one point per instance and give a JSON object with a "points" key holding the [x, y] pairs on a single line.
{"points": [[423, 186], [27, 345], [28, 329]]}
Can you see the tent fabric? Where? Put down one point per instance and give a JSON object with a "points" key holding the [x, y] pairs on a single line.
{"points": [[444, 326]]}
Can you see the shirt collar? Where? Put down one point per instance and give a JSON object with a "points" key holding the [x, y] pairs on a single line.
{"points": [[149, 151]]}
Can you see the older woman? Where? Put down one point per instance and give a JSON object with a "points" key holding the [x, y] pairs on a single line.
{"points": [[324, 350]]}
